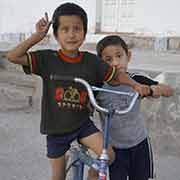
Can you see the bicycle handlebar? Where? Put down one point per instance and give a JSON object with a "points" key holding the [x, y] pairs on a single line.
{"points": [[91, 95]]}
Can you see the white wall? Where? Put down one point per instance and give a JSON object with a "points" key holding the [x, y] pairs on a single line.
{"points": [[153, 16], [158, 16], [21, 15]]}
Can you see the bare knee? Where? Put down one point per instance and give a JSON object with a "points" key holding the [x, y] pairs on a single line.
{"points": [[111, 154], [95, 143]]}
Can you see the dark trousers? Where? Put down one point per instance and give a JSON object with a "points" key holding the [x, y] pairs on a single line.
{"points": [[135, 162]]}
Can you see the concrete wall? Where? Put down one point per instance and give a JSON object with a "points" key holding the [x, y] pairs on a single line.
{"points": [[163, 118]]}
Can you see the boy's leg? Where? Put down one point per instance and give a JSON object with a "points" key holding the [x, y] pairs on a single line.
{"points": [[91, 137], [118, 170], [57, 146], [95, 143], [58, 168], [141, 158]]}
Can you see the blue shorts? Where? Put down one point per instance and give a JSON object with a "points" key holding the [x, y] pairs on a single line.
{"points": [[135, 162], [58, 145]]}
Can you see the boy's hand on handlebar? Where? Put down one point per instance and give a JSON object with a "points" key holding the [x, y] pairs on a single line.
{"points": [[156, 91], [143, 90], [162, 90]]}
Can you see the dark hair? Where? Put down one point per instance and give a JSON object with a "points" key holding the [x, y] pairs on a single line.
{"points": [[68, 9], [110, 40]]}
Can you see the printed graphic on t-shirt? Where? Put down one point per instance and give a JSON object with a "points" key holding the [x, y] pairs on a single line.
{"points": [[70, 98]]}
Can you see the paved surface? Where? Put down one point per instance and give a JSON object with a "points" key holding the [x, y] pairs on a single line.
{"points": [[23, 149]]}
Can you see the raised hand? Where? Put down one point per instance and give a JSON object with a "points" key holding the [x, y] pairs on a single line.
{"points": [[42, 26]]}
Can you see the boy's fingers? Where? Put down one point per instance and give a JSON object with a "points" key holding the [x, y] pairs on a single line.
{"points": [[145, 90], [44, 22], [49, 24], [46, 17]]}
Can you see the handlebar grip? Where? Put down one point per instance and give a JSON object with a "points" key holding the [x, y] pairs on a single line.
{"points": [[151, 92], [56, 77]]}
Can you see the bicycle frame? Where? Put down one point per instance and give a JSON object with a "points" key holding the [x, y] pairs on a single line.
{"points": [[101, 165], [80, 157], [78, 164]]}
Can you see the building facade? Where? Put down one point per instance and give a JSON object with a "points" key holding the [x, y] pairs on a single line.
{"points": [[118, 15], [131, 16], [139, 16]]}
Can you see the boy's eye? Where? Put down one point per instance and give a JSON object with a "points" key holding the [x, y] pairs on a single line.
{"points": [[119, 55], [74, 29], [108, 60], [64, 29], [77, 28]]}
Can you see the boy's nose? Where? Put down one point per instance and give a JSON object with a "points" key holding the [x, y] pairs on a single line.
{"points": [[71, 33], [116, 62], [120, 67]]}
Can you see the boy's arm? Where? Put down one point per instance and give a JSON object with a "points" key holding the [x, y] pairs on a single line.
{"points": [[162, 90], [157, 88], [18, 54], [123, 78]]}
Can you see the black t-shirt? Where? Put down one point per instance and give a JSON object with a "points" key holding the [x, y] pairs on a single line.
{"points": [[64, 104]]}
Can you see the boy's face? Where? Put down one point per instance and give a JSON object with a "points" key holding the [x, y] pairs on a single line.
{"points": [[70, 34], [116, 56]]}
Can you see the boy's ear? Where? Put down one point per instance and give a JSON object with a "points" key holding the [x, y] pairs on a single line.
{"points": [[55, 38], [84, 37], [129, 55]]}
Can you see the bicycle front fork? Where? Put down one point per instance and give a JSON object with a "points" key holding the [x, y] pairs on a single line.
{"points": [[103, 166], [104, 159]]}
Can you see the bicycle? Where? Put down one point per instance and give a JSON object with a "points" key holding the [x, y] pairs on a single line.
{"points": [[80, 155]]}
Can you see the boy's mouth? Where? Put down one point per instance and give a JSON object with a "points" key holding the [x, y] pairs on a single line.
{"points": [[121, 69], [72, 42]]}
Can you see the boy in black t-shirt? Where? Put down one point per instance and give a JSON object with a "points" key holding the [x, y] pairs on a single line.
{"points": [[65, 115]]}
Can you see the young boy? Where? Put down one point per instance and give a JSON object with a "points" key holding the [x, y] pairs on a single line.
{"points": [[128, 135], [65, 115]]}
